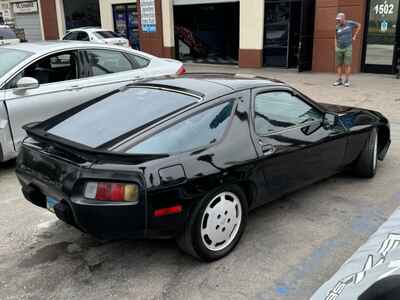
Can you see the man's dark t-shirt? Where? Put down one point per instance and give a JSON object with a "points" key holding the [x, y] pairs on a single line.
{"points": [[344, 34]]}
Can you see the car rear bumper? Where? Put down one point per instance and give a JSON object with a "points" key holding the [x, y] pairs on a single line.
{"points": [[105, 221]]}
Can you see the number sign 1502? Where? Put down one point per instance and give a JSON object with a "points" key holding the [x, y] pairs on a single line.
{"points": [[384, 9]]}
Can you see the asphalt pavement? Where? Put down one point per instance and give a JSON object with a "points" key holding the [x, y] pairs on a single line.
{"points": [[289, 249]]}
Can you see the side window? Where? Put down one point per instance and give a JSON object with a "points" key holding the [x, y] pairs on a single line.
{"points": [[51, 69], [71, 36], [102, 62], [139, 61], [208, 127], [275, 111], [82, 36]]}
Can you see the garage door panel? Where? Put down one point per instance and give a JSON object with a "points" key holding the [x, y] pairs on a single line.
{"points": [[31, 25]]}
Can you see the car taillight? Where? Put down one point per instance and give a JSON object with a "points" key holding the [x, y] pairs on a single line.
{"points": [[181, 71], [112, 191]]}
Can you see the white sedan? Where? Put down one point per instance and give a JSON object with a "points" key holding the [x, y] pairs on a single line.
{"points": [[39, 80], [96, 35]]}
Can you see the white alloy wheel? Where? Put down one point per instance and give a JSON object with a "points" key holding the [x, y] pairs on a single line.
{"points": [[221, 221]]}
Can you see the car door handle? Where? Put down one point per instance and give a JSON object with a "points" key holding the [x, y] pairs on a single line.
{"points": [[134, 79], [267, 149], [74, 88]]}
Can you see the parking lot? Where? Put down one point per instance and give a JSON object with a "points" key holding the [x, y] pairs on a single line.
{"points": [[289, 249]]}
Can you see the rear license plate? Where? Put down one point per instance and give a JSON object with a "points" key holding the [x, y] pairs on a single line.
{"points": [[51, 202]]}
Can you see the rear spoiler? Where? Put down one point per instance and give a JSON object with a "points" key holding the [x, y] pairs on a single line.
{"points": [[34, 131]]}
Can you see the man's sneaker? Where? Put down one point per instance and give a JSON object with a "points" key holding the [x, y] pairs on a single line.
{"points": [[347, 83], [338, 82]]}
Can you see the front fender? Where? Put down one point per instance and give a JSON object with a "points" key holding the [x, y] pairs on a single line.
{"points": [[359, 123]]}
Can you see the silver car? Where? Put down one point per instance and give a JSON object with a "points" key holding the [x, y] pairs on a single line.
{"points": [[39, 80]]}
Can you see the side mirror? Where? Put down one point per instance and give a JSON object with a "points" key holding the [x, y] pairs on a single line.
{"points": [[26, 83], [330, 120]]}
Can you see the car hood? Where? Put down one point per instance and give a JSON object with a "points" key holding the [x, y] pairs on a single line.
{"points": [[353, 116], [342, 110]]}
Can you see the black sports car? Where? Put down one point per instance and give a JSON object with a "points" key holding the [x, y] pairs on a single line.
{"points": [[188, 157]]}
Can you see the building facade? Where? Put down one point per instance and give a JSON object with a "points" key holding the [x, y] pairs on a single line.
{"points": [[25, 17], [251, 33]]}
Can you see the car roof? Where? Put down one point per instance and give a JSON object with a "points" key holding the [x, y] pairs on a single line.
{"points": [[44, 47], [88, 29], [210, 85]]}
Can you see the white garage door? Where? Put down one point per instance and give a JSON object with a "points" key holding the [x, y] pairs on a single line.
{"points": [[31, 25]]}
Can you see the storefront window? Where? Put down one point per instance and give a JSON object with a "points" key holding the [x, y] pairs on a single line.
{"points": [[81, 13], [207, 33], [126, 23], [381, 36]]}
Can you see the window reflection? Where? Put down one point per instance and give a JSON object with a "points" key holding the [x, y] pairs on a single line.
{"points": [[383, 16], [200, 130]]}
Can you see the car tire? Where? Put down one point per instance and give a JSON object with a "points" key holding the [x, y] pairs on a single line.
{"points": [[368, 160], [216, 224]]}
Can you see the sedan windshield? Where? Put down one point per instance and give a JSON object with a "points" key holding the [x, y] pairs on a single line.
{"points": [[121, 113], [10, 58]]}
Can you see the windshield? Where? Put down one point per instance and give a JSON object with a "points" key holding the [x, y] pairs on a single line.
{"points": [[7, 33], [10, 58], [106, 34], [120, 113]]}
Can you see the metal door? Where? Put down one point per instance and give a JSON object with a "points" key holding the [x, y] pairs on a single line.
{"points": [[306, 35], [30, 23]]}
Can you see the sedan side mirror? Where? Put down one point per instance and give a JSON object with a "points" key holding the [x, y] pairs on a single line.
{"points": [[330, 120], [26, 83]]}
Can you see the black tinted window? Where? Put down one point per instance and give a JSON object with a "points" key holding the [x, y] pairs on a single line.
{"points": [[119, 114], [104, 62], [200, 130], [82, 36], [71, 36], [107, 34], [275, 111], [51, 69]]}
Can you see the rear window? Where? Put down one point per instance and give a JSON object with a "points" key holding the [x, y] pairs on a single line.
{"points": [[139, 61], [7, 33], [119, 114], [201, 130], [107, 34]]}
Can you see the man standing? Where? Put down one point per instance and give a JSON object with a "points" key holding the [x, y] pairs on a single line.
{"points": [[344, 47]]}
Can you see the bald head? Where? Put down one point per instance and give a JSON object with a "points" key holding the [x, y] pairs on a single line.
{"points": [[341, 18]]}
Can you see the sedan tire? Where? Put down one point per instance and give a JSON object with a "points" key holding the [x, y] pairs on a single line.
{"points": [[216, 224], [368, 160]]}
